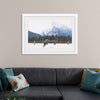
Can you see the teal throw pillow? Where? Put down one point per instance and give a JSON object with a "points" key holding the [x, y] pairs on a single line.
{"points": [[91, 81], [1, 89], [9, 71], [3, 78]]}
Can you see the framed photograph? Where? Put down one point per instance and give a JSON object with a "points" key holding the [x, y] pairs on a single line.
{"points": [[49, 34]]}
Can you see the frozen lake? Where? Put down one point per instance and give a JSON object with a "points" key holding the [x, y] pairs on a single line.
{"points": [[50, 45]]}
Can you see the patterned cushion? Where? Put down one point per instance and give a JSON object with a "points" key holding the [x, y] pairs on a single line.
{"points": [[91, 81], [18, 82]]}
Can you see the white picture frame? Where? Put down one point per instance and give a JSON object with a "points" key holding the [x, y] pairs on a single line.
{"points": [[37, 30]]}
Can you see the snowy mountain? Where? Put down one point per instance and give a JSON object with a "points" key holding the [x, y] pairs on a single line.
{"points": [[32, 34], [62, 31]]}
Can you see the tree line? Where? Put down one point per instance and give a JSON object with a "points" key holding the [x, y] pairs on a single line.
{"points": [[52, 37]]}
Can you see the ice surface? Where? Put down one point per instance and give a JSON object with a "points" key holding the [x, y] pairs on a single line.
{"points": [[41, 45]]}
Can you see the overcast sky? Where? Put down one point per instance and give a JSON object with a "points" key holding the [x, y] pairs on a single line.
{"points": [[39, 26]]}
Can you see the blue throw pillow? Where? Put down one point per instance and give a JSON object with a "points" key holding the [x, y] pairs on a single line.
{"points": [[91, 81]]}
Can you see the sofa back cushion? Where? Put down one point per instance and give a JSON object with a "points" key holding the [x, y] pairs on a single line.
{"points": [[38, 76], [69, 76]]}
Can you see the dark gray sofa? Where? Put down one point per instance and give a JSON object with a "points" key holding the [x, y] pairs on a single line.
{"points": [[52, 84]]}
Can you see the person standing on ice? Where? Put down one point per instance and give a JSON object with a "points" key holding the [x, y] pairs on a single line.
{"points": [[45, 42], [34, 42], [67, 42], [55, 42]]}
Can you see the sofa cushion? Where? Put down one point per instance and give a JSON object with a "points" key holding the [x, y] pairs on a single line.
{"points": [[74, 93], [69, 76], [36, 93], [38, 76]]}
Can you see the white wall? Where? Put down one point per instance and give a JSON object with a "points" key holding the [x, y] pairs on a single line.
{"points": [[11, 35]]}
